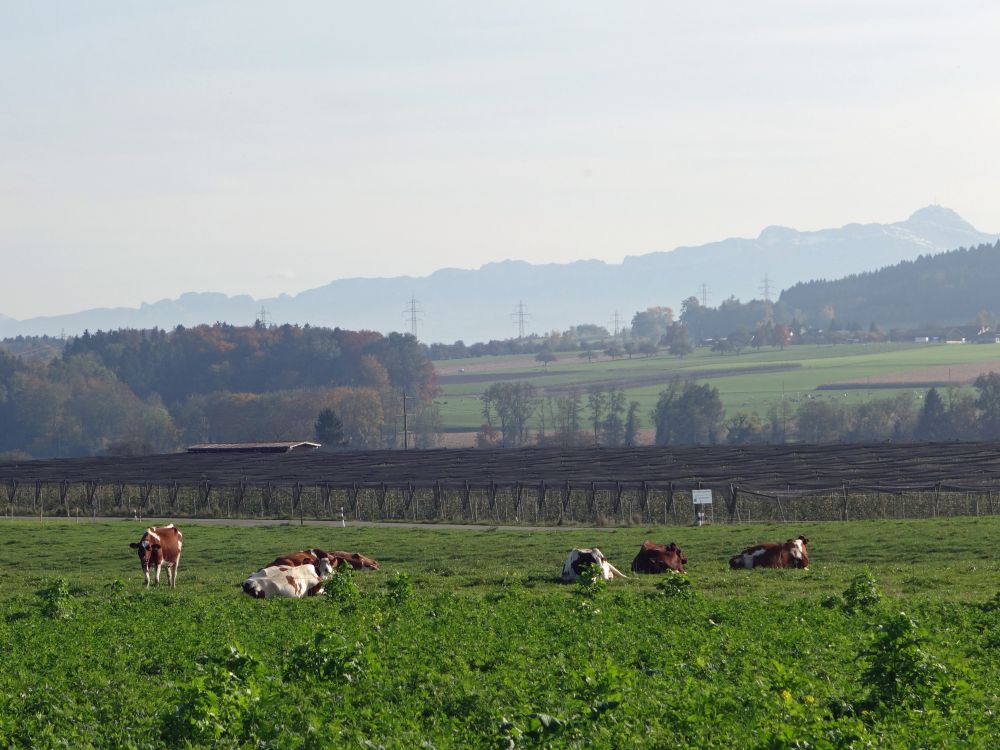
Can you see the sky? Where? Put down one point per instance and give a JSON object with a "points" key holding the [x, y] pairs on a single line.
{"points": [[152, 148]]}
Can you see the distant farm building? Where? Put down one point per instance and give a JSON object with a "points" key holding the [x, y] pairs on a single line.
{"points": [[275, 447]]}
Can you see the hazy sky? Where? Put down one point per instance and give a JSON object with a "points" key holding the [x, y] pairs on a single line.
{"points": [[152, 148]]}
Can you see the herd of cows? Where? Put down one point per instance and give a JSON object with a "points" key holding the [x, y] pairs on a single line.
{"points": [[302, 573]]}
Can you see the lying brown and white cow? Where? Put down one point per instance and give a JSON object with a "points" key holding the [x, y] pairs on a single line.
{"points": [[577, 558], [288, 580], [791, 554], [159, 546], [338, 558], [659, 558]]}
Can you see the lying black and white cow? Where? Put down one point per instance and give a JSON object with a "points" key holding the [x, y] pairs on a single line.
{"points": [[288, 580], [577, 558]]}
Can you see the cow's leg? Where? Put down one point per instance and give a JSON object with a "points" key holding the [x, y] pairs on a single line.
{"points": [[615, 573], [145, 572], [172, 573], [159, 565]]}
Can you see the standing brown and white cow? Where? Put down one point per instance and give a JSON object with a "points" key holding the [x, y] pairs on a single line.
{"points": [[159, 546], [791, 554], [659, 558]]}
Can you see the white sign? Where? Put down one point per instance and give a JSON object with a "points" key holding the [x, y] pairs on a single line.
{"points": [[701, 497]]}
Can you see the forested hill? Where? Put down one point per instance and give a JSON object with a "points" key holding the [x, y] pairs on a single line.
{"points": [[153, 391], [950, 288]]}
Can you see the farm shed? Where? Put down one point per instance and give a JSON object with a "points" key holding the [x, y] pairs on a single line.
{"points": [[640, 485], [273, 447]]}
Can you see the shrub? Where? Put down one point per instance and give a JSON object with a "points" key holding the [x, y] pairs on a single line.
{"points": [[342, 589], [56, 599], [901, 672], [862, 594], [216, 708], [400, 589], [591, 581]]}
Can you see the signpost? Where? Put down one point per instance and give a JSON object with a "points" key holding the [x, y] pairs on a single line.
{"points": [[701, 499]]}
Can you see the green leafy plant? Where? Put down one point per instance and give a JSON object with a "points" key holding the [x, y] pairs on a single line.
{"points": [[56, 599], [399, 589], [216, 707], [341, 588], [900, 671], [676, 586], [591, 581], [328, 656], [863, 593]]}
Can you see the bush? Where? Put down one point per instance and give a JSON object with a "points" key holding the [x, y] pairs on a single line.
{"points": [[56, 599], [862, 594]]}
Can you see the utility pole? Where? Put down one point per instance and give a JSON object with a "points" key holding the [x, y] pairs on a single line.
{"points": [[519, 315], [406, 442], [413, 313]]}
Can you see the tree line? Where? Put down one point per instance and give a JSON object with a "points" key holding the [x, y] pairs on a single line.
{"points": [[144, 391], [688, 413]]}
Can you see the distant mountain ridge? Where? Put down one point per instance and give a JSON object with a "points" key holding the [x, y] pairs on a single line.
{"points": [[478, 304]]}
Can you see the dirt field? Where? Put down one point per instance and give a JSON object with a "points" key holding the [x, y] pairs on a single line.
{"points": [[924, 376]]}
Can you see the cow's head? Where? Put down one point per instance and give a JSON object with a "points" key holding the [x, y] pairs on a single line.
{"points": [[798, 549], [149, 552], [324, 567], [357, 561], [664, 557], [675, 559]]}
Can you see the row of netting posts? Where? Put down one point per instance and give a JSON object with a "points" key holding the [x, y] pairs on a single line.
{"points": [[520, 503]]}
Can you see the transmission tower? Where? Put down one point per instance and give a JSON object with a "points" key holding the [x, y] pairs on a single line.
{"points": [[765, 288], [262, 317], [413, 313], [704, 295], [520, 316], [615, 323]]}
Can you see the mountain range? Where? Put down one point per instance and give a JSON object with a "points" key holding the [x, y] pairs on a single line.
{"points": [[480, 304]]}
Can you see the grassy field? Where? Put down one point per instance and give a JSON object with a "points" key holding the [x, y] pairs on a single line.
{"points": [[466, 639], [791, 374]]}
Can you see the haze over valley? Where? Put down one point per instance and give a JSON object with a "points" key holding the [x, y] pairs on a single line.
{"points": [[478, 305]]}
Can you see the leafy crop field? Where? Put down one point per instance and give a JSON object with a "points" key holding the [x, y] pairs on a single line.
{"points": [[752, 381], [465, 638]]}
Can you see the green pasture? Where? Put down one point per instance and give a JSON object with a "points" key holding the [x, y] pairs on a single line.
{"points": [[465, 639], [643, 378]]}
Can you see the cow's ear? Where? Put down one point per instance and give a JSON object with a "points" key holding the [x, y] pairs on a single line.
{"points": [[805, 540], [134, 545]]}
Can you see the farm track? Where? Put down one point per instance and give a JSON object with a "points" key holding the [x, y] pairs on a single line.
{"points": [[761, 468]]}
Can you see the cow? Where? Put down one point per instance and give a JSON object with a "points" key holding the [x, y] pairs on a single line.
{"points": [[288, 580], [159, 546], [791, 554], [577, 558], [338, 558], [659, 558]]}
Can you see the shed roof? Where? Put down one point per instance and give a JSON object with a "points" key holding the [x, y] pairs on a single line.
{"points": [[279, 446]]}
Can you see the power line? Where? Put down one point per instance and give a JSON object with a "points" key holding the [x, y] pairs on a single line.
{"points": [[520, 316], [414, 314]]}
